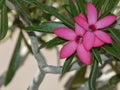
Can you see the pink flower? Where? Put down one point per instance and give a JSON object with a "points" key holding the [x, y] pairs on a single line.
{"points": [[75, 43], [94, 36]]}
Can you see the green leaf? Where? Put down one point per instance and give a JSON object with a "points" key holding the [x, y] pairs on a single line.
{"points": [[26, 43], [81, 6], [96, 53], [52, 11], [108, 87], [95, 1], [47, 27], [22, 7], [111, 50], [93, 74], [114, 79], [66, 7], [115, 33], [77, 81], [73, 8], [3, 20], [100, 6], [67, 64], [109, 6], [116, 46], [54, 42], [14, 62]]}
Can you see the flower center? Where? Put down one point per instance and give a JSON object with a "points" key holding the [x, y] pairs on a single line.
{"points": [[92, 28], [78, 39]]}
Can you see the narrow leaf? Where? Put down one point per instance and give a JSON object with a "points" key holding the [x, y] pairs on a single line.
{"points": [[77, 81], [93, 74], [46, 27], [116, 46], [111, 50], [54, 42], [67, 64], [115, 79], [22, 7], [14, 62], [96, 53], [3, 20], [52, 11], [95, 1], [66, 7], [115, 33], [81, 6], [109, 6], [26, 43], [73, 8]]}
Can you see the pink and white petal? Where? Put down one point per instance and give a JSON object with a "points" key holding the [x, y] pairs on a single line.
{"points": [[88, 40], [91, 13], [68, 49], [79, 30], [82, 16], [103, 36], [105, 22], [65, 33], [83, 54], [82, 22], [98, 42]]}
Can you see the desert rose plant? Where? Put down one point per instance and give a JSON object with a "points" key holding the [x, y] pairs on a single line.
{"points": [[85, 33]]}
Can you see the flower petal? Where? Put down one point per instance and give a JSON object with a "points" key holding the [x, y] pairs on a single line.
{"points": [[88, 40], [81, 21], [106, 21], [65, 33], [98, 42], [83, 54], [103, 36], [79, 30], [68, 49], [91, 13], [82, 16]]}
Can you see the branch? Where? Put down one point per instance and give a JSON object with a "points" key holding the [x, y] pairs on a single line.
{"points": [[58, 69], [37, 80]]}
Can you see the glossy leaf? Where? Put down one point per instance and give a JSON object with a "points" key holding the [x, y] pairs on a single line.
{"points": [[96, 53], [116, 46], [81, 6], [111, 50], [95, 1], [52, 11], [93, 74], [73, 8], [3, 20], [66, 7], [115, 33], [67, 64], [46, 27], [115, 79], [22, 7], [99, 6], [78, 79], [54, 42], [26, 43], [14, 62], [109, 5]]}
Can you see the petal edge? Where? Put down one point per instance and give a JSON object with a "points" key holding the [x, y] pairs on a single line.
{"points": [[68, 49], [83, 54]]}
